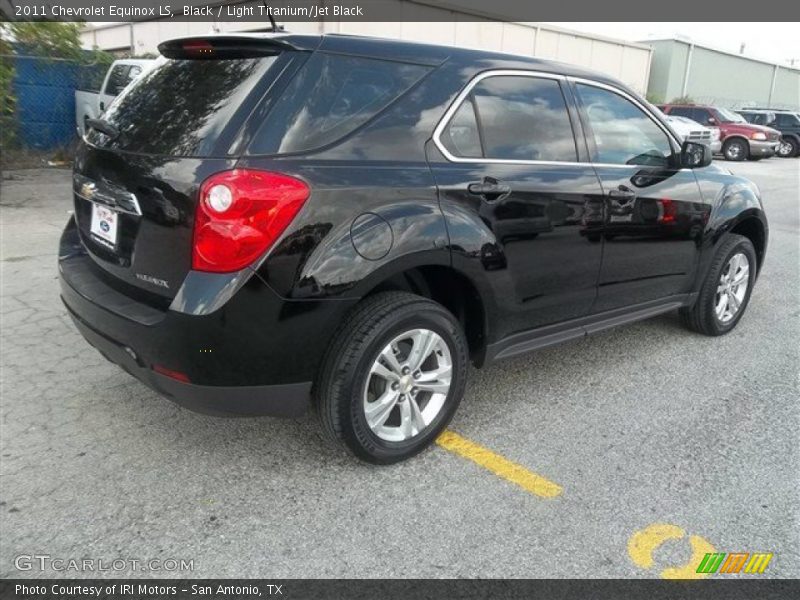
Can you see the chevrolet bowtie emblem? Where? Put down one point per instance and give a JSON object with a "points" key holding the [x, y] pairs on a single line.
{"points": [[88, 190]]}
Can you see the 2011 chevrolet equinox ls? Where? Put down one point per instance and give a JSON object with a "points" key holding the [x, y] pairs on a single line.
{"points": [[266, 222]]}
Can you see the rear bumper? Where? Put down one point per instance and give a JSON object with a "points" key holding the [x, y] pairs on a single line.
{"points": [[286, 400], [255, 355], [763, 149]]}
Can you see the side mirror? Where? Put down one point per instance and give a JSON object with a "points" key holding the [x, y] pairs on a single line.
{"points": [[695, 156], [712, 121]]}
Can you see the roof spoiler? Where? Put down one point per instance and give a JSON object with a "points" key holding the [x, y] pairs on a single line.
{"points": [[225, 46]]}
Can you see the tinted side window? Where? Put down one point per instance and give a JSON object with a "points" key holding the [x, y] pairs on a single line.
{"points": [[682, 111], [329, 98], [786, 120], [117, 80], [521, 118], [623, 133], [701, 115], [524, 118]]}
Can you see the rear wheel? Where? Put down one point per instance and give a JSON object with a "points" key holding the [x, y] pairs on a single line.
{"points": [[393, 377], [735, 150], [788, 148], [726, 291]]}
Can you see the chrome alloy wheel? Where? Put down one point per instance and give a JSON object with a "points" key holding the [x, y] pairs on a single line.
{"points": [[407, 385], [732, 287], [785, 149], [734, 151]]}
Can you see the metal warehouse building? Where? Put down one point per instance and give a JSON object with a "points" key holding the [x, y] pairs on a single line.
{"points": [[627, 61], [682, 68]]}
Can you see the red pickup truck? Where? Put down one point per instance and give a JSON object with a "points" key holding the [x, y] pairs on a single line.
{"points": [[740, 139]]}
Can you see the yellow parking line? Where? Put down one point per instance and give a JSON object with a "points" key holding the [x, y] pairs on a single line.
{"points": [[499, 465]]}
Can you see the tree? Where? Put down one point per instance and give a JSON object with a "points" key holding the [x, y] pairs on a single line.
{"points": [[51, 39], [40, 38], [654, 98]]}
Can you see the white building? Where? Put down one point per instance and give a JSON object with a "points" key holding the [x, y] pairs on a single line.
{"points": [[627, 61]]}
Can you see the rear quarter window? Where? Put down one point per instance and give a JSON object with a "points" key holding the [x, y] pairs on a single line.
{"points": [[329, 98]]}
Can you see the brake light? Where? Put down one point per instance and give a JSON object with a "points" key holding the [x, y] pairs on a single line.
{"points": [[240, 215], [198, 47]]}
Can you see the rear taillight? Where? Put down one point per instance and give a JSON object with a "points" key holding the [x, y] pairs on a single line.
{"points": [[240, 215]]}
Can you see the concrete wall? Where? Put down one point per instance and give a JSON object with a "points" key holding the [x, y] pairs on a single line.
{"points": [[624, 60], [720, 78]]}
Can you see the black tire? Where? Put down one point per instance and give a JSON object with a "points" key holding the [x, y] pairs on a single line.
{"points": [[735, 149], [338, 392], [702, 317], [792, 145]]}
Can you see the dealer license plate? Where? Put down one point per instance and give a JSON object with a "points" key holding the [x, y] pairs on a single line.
{"points": [[104, 224]]}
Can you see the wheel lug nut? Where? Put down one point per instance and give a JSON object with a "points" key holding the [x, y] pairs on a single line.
{"points": [[414, 391], [417, 374], [406, 370], [395, 385]]}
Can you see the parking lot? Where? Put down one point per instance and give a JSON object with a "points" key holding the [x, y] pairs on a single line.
{"points": [[642, 426]]}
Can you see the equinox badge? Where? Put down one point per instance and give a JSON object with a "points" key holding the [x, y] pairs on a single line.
{"points": [[153, 280]]}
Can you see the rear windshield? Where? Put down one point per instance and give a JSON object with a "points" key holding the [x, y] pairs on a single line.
{"points": [[182, 107], [329, 98]]}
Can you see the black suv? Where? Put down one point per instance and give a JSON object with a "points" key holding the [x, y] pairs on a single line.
{"points": [[785, 121], [266, 222]]}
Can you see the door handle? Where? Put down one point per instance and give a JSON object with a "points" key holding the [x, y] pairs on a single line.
{"points": [[622, 195], [489, 188], [102, 106]]}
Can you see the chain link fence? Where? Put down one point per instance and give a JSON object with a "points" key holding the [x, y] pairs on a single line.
{"points": [[40, 105]]}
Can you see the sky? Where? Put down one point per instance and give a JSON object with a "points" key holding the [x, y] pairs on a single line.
{"points": [[775, 42]]}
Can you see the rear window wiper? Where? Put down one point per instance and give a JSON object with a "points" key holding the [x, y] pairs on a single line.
{"points": [[103, 127]]}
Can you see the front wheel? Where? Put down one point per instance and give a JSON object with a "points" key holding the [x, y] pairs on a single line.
{"points": [[393, 377], [735, 150], [726, 291], [788, 148]]}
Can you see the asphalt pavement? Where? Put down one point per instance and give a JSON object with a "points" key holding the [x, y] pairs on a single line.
{"points": [[662, 442]]}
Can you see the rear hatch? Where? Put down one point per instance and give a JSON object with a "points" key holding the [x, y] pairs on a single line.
{"points": [[137, 174]]}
